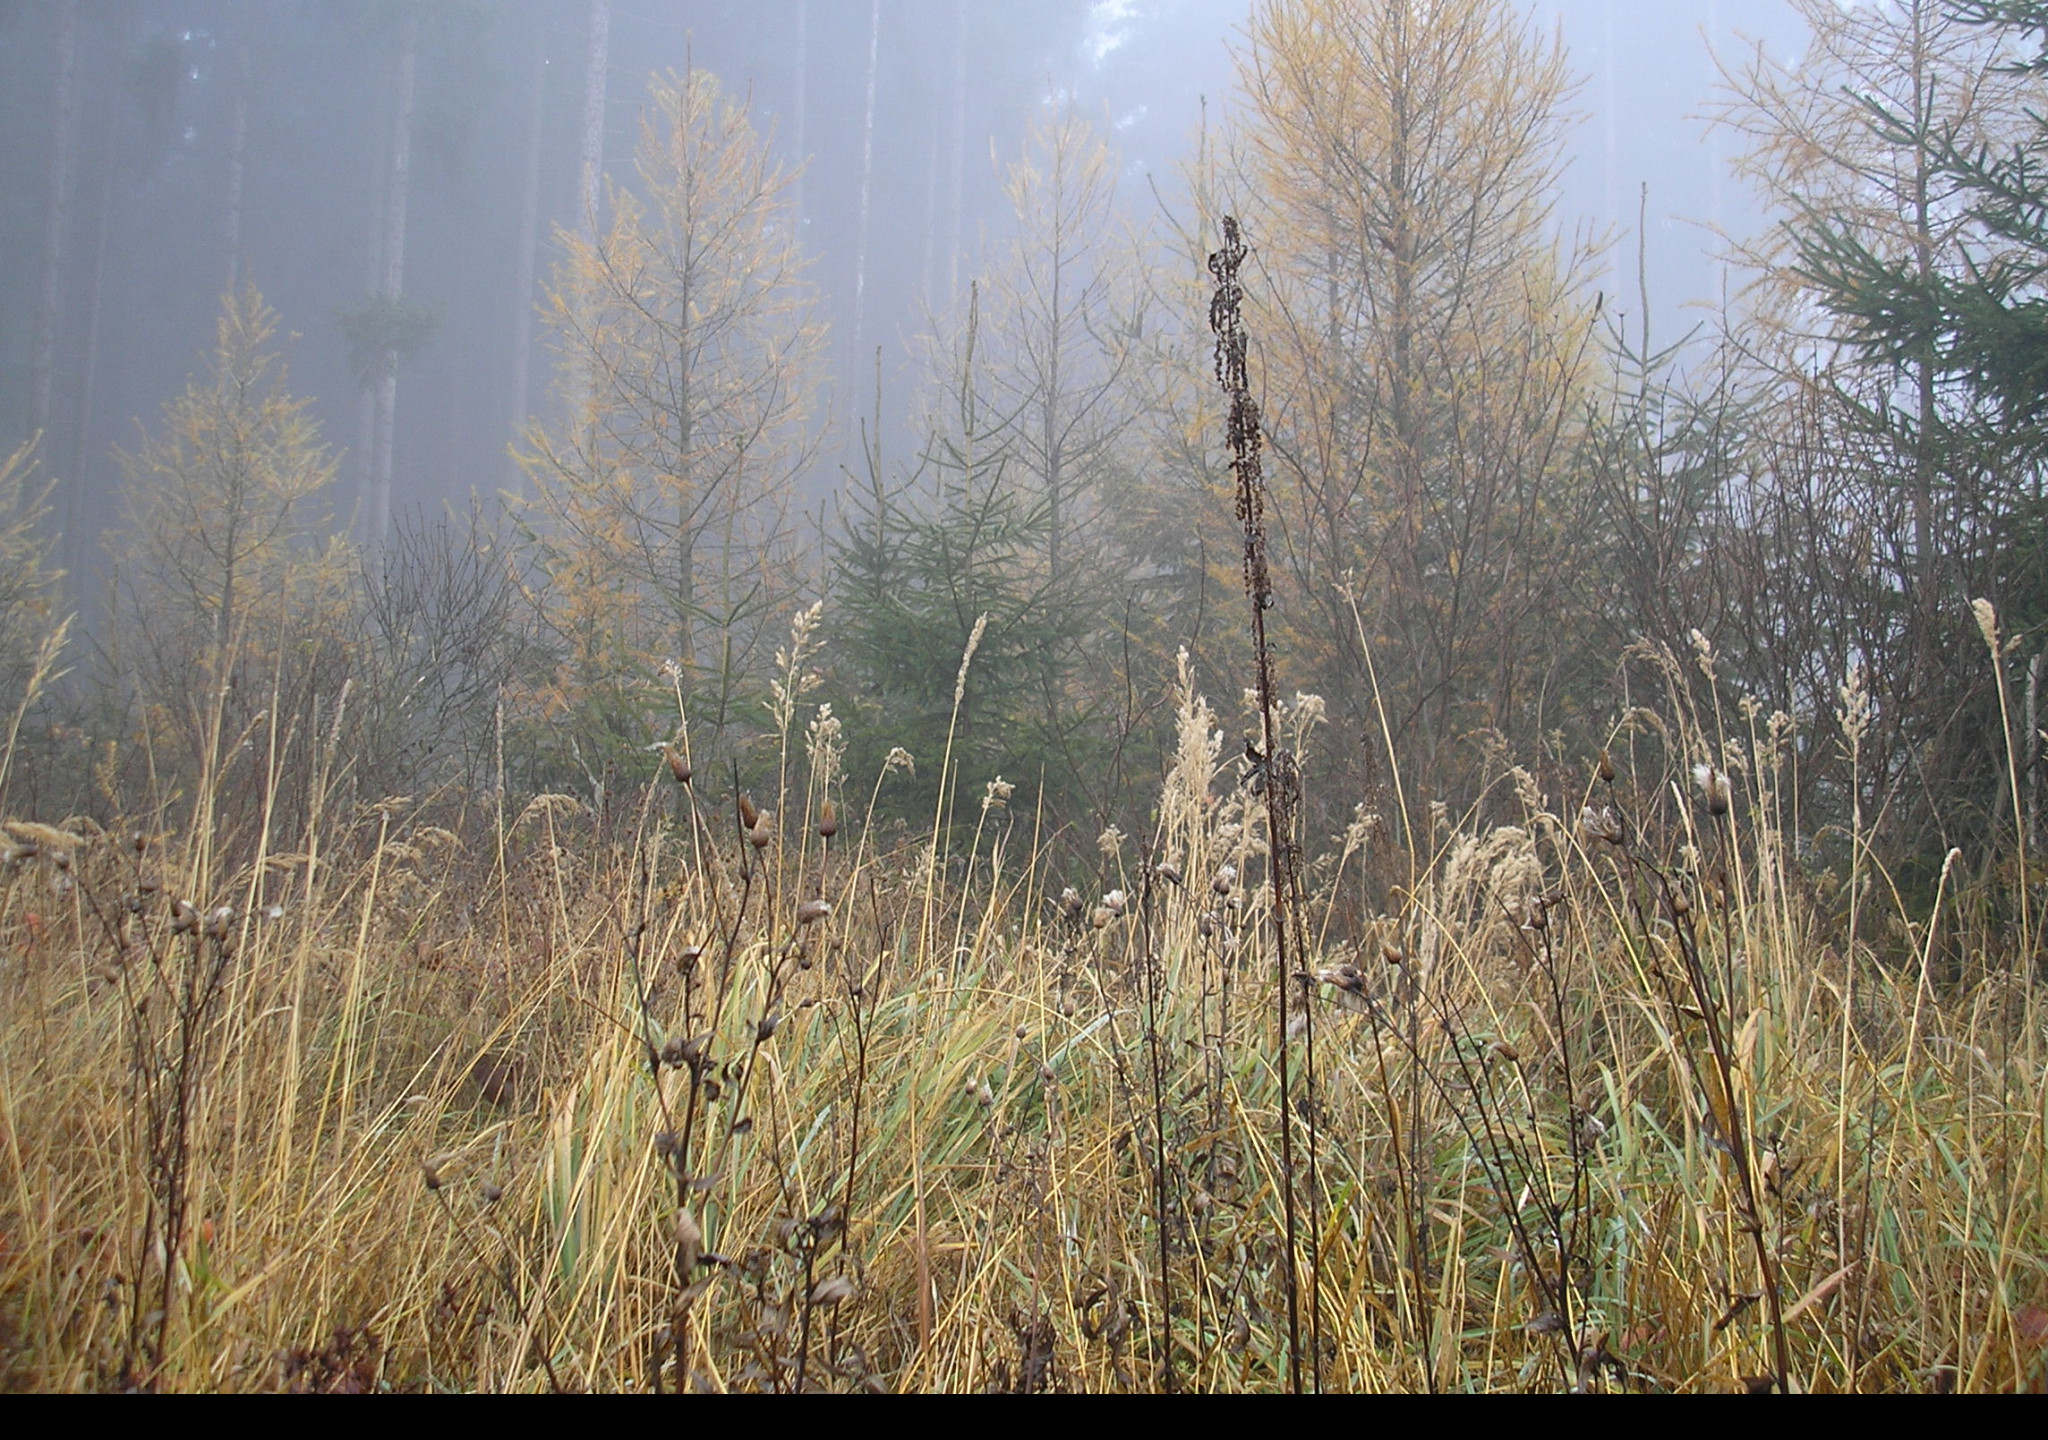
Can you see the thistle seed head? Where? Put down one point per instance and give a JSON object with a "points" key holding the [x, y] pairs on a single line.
{"points": [[1715, 791]]}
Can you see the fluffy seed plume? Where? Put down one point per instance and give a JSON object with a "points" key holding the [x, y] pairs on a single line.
{"points": [[1987, 621], [967, 659]]}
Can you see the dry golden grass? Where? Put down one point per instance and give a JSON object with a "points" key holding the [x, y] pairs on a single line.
{"points": [[499, 1111]]}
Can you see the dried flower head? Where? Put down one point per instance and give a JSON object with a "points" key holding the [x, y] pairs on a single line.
{"points": [[1987, 621], [812, 911], [1715, 791], [967, 659], [1600, 823]]}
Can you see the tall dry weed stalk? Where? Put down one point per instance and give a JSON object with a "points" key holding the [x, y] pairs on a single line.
{"points": [[1274, 763]]}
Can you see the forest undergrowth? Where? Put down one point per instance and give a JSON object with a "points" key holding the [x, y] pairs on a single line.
{"points": [[739, 1094]]}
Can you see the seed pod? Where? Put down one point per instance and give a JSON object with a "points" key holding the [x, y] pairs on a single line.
{"points": [[678, 764], [748, 814], [1225, 878], [766, 1027], [760, 835], [828, 820], [689, 1241], [812, 911], [1606, 768]]}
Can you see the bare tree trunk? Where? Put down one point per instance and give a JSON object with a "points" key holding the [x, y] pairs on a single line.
{"points": [[366, 404], [378, 517], [238, 149], [529, 244], [931, 216], [63, 156], [77, 524], [867, 182], [589, 179], [591, 157], [803, 108], [959, 149]]}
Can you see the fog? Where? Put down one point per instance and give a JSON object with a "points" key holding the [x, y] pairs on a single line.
{"points": [[1020, 695], [561, 355], [173, 106]]}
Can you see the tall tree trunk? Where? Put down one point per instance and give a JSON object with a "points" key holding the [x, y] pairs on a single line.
{"points": [[238, 149], [78, 504], [803, 109], [959, 150], [931, 216], [529, 245], [392, 288], [867, 183], [63, 156], [590, 158], [589, 184]]}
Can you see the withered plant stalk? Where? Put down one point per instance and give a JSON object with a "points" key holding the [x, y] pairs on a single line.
{"points": [[1282, 779]]}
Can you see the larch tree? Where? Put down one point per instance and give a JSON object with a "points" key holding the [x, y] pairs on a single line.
{"points": [[1424, 335], [1853, 145], [1851, 135], [689, 362], [225, 553]]}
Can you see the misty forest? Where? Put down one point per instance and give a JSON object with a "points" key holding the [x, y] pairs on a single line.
{"points": [[879, 696]]}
